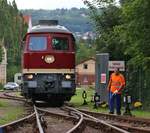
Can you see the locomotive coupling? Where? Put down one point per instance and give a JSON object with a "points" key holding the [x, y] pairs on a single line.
{"points": [[49, 84]]}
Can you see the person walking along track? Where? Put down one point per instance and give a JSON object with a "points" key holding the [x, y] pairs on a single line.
{"points": [[115, 86]]}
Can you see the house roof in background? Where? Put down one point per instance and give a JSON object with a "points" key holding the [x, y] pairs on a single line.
{"points": [[92, 58]]}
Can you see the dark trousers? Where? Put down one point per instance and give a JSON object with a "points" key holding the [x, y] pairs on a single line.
{"points": [[114, 98]]}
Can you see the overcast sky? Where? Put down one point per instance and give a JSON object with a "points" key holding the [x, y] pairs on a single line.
{"points": [[48, 4]]}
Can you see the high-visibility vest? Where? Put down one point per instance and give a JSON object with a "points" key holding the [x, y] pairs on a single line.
{"points": [[117, 81]]}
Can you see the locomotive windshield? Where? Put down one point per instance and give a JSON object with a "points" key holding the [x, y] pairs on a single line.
{"points": [[60, 43], [37, 43]]}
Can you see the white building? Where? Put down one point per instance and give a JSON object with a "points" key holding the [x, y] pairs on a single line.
{"points": [[3, 65]]}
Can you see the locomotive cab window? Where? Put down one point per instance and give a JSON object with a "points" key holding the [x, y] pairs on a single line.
{"points": [[60, 43], [37, 43]]}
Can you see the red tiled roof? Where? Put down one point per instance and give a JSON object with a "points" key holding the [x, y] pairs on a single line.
{"points": [[26, 18]]}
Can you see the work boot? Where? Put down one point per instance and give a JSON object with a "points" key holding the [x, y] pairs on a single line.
{"points": [[118, 113], [111, 112]]}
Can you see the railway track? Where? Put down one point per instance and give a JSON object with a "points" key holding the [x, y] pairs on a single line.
{"points": [[80, 122], [74, 122], [71, 120], [8, 95], [39, 122], [13, 126], [27, 123], [131, 124], [101, 125]]}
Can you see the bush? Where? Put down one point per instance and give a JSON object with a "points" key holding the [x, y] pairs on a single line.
{"points": [[11, 71], [1, 86]]}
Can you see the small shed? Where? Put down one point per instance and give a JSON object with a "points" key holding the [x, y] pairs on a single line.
{"points": [[85, 72]]}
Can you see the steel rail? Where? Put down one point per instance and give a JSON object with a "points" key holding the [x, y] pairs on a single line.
{"points": [[38, 120], [52, 113], [12, 98], [14, 123], [76, 127], [124, 119], [100, 121], [133, 129], [6, 94], [9, 97]]}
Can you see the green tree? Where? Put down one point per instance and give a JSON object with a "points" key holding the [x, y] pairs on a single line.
{"points": [[84, 52], [12, 30], [136, 29], [106, 19], [124, 32]]}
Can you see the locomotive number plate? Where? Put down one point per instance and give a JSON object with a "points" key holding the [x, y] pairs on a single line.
{"points": [[32, 84], [66, 84]]}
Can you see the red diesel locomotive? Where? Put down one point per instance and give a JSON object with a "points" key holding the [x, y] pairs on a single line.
{"points": [[48, 64]]}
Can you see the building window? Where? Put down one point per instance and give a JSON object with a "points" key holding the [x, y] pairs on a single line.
{"points": [[85, 66], [19, 77]]}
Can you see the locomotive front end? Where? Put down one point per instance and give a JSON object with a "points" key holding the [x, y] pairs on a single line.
{"points": [[49, 64]]}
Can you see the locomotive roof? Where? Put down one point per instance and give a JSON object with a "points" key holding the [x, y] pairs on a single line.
{"points": [[53, 28]]}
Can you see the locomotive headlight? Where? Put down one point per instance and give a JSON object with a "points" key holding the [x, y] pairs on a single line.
{"points": [[30, 76], [68, 76], [49, 59]]}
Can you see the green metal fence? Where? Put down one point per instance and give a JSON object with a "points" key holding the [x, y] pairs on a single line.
{"points": [[138, 83]]}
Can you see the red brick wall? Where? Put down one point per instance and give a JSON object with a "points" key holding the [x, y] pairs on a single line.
{"points": [[85, 79]]}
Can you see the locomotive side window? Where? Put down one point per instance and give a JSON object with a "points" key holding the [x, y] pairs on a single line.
{"points": [[60, 43], [37, 43]]}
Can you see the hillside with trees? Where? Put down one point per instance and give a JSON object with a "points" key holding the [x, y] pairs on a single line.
{"points": [[76, 20], [12, 29]]}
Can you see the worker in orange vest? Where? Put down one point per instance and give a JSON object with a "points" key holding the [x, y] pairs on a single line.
{"points": [[115, 86]]}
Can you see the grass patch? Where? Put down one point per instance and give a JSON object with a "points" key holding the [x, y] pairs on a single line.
{"points": [[1, 87], [3, 103], [77, 101], [141, 113], [11, 115], [9, 112]]}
